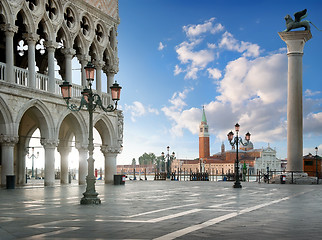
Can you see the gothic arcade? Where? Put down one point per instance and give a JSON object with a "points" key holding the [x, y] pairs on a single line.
{"points": [[35, 36]]}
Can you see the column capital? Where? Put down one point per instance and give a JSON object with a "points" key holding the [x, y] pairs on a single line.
{"points": [[51, 44], [9, 29], [64, 149], [8, 140], [31, 37], [295, 40], [68, 51], [111, 69], [110, 150], [99, 64], [84, 58], [49, 143], [81, 147]]}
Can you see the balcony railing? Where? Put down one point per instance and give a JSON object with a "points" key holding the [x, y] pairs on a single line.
{"points": [[21, 78]]}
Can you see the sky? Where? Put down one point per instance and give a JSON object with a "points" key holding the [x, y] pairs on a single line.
{"points": [[176, 56]]}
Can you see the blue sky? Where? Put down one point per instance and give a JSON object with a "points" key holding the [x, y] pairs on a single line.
{"points": [[176, 56]]}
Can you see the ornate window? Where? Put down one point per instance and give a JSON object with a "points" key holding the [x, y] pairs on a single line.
{"points": [[84, 24], [99, 33], [51, 9], [69, 17], [32, 4]]}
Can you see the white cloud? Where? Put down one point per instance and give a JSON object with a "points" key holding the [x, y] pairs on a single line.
{"points": [[161, 46], [313, 123], [214, 73], [137, 109], [252, 92], [177, 70], [248, 49], [310, 93], [208, 26], [176, 113]]}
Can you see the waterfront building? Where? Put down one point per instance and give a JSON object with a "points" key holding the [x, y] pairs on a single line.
{"points": [[36, 36], [223, 162]]}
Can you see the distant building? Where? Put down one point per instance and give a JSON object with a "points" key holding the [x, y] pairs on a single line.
{"points": [[223, 162], [268, 160], [310, 166]]}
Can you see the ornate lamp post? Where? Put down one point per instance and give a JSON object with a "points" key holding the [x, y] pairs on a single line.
{"points": [[169, 160], [316, 165], [236, 141], [90, 100], [33, 156]]}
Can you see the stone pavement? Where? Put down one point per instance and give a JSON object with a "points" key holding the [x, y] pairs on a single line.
{"points": [[163, 210]]}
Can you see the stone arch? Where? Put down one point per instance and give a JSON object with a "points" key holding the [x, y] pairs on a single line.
{"points": [[40, 115], [27, 18], [6, 123], [72, 123], [6, 12], [95, 52], [105, 128]]}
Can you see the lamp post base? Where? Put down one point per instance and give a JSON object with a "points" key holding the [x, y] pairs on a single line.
{"points": [[90, 199], [90, 195], [237, 185]]}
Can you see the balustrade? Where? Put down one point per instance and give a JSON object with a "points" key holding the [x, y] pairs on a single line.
{"points": [[21, 78]]}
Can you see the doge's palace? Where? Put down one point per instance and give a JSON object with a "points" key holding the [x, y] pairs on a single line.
{"points": [[37, 36]]}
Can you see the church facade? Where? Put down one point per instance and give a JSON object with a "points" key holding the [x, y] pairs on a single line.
{"points": [[38, 40]]}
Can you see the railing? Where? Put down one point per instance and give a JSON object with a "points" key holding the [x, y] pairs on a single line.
{"points": [[22, 78]]}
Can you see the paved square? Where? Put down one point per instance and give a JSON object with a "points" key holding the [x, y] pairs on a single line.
{"points": [[163, 210]]}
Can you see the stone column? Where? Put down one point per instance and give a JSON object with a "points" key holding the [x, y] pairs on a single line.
{"points": [[31, 40], [21, 163], [51, 46], [9, 32], [83, 60], [82, 170], [49, 146], [295, 42], [64, 153], [110, 73], [110, 163], [69, 53], [99, 65], [7, 146]]}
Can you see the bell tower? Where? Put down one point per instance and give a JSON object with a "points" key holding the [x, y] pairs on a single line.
{"points": [[204, 151]]}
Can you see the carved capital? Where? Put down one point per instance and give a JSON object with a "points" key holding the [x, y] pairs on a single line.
{"points": [[99, 64], [83, 59], [81, 147], [31, 37], [9, 29], [51, 44], [68, 51], [110, 150], [49, 143], [8, 140]]}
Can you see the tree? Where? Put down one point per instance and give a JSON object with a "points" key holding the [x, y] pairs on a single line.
{"points": [[133, 162], [147, 159]]}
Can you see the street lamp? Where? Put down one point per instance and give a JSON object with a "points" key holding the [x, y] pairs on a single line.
{"points": [[33, 156], [90, 100], [316, 165], [169, 160], [236, 141]]}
